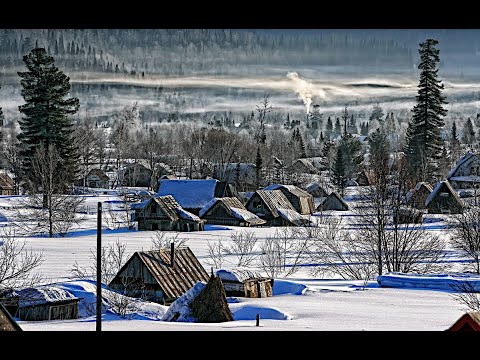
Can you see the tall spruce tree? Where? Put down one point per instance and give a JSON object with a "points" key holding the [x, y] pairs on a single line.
{"points": [[468, 132], [258, 168], [338, 171], [454, 144], [424, 143], [46, 116]]}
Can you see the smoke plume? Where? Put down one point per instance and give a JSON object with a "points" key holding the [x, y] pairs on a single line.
{"points": [[303, 88]]}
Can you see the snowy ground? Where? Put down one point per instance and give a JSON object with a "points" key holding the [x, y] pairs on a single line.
{"points": [[324, 304]]}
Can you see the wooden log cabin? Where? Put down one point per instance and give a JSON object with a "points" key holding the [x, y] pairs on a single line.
{"points": [[229, 211]]}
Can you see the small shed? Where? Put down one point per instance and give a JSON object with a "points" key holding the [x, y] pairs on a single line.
{"points": [[302, 166], [332, 202], [245, 283], [468, 322], [6, 185], [165, 213], [444, 200], [407, 215], [229, 211], [192, 195], [417, 196], [274, 207], [7, 322], [316, 190], [47, 303], [95, 178], [301, 200], [161, 275]]}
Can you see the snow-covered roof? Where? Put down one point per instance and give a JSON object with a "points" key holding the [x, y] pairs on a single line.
{"points": [[207, 206], [437, 189], [468, 178], [180, 309], [245, 215], [190, 194], [295, 190], [235, 208], [293, 216], [43, 295], [467, 157], [184, 214], [238, 274]]}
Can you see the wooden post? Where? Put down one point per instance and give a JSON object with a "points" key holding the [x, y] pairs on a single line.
{"points": [[258, 320], [99, 268]]}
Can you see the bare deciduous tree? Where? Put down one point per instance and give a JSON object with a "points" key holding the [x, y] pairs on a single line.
{"points": [[242, 246], [467, 295], [17, 263], [163, 240], [216, 254], [465, 236]]}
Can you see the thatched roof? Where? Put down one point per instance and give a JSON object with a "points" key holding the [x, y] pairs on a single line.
{"points": [[176, 280]]}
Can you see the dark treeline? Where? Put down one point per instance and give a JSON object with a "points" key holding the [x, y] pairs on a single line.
{"points": [[193, 51]]}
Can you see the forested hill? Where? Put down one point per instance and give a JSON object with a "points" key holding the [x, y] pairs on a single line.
{"points": [[199, 51]]}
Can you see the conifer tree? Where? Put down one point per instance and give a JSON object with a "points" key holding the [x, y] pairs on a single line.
{"points": [[424, 143], [46, 115]]}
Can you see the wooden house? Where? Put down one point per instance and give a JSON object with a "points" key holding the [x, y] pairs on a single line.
{"points": [[417, 196], [365, 177], [95, 178], [468, 322], [316, 190], [161, 275], [301, 200], [47, 303], [242, 175], [245, 283], [274, 207], [466, 173], [165, 213], [444, 200], [224, 189], [192, 195], [136, 175], [302, 166], [7, 322], [7, 186], [229, 211], [332, 202]]}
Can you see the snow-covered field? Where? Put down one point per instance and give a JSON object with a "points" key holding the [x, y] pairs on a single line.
{"points": [[300, 302]]}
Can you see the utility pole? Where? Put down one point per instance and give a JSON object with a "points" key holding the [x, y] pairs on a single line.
{"points": [[99, 268]]}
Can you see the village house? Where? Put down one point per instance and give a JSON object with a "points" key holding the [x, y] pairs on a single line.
{"points": [[444, 200], [274, 207], [302, 166], [165, 213], [228, 211], [160, 276], [95, 178], [193, 195], [7, 186], [466, 173], [417, 196], [135, 175], [242, 175], [332, 202], [301, 200], [316, 190], [245, 283]]}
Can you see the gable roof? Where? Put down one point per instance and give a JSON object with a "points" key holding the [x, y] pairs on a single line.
{"points": [[274, 200], [7, 323], [314, 186], [308, 165], [235, 208], [100, 173], [295, 190], [175, 281], [471, 319], [190, 194], [462, 161], [336, 195], [435, 191], [425, 185]]}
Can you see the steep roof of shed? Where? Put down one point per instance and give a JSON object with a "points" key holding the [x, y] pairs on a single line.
{"points": [[295, 190], [7, 323], [462, 161], [187, 270], [6, 182], [274, 200], [190, 194], [440, 185]]}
